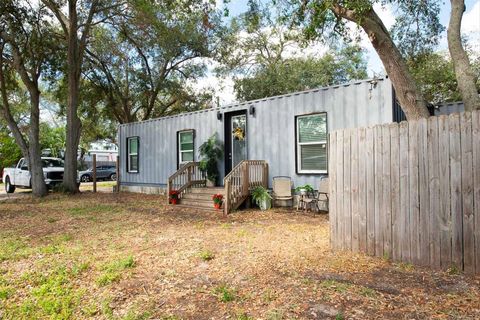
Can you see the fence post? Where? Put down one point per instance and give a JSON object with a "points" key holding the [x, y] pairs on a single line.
{"points": [[118, 174], [265, 175], [94, 173], [226, 205], [168, 190], [246, 178]]}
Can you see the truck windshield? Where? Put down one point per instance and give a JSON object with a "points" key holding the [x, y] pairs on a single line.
{"points": [[48, 163]]}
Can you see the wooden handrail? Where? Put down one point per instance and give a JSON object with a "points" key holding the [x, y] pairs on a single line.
{"points": [[188, 175], [246, 175]]}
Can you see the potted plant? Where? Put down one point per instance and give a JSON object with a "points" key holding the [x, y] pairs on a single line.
{"points": [[210, 151], [262, 198], [173, 196], [304, 189], [217, 200]]}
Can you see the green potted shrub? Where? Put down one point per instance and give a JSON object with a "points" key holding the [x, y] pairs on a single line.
{"points": [[211, 151], [262, 198], [303, 190]]}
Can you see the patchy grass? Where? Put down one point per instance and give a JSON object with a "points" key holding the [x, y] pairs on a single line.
{"points": [[129, 256], [335, 286], [206, 255], [112, 272], [13, 249], [224, 293], [90, 209], [102, 186], [52, 294]]}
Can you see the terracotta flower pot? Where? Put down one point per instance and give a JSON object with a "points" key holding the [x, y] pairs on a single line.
{"points": [[217, 205], [173, 201]]}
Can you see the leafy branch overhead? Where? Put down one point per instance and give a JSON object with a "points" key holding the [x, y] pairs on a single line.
{"points": [[268, 58], [145, 60]]}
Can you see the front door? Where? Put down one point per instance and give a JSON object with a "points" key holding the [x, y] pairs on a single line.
{"points": [[235, 139]]}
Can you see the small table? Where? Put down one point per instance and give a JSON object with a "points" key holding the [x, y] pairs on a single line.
{"points": [[305, 200]]}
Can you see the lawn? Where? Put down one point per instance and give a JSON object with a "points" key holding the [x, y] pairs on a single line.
{"points": [[128, 256]]}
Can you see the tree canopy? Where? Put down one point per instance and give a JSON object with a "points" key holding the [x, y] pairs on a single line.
{"points": [[297, 74]]}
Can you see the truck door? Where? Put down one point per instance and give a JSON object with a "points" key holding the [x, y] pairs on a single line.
{"points": [[22, 175]]}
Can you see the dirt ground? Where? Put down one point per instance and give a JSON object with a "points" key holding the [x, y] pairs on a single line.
{"points": [[130, 256], [102, 186]]}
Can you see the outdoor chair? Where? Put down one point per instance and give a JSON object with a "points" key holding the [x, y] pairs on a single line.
{"points": [[282, 189], [322, 195]]}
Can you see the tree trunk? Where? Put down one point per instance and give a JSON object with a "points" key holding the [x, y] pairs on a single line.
{"points": [[73, 121], [461, 64], [39, 188], [409, 97], [31, 150], [7, 115]]}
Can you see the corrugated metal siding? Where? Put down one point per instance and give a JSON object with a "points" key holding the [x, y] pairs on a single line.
{"points": [[270, 133], [449, 108]]}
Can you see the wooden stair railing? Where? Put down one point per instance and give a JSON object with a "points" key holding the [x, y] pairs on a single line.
{"points": [[187, 176], [246, 175]]}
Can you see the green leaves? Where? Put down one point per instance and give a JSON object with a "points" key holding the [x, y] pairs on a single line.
{"points": [[417, 28], [210, 151], [297, 74]]}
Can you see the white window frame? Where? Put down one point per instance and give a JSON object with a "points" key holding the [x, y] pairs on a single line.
{"points": [[299, 144], [130, 154], [179, 147]]}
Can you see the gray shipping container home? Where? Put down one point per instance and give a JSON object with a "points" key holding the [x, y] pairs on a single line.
{"points": [[289, 132]]}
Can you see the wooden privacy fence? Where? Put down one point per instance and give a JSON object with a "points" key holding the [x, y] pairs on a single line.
{"points": [[409, 191]]}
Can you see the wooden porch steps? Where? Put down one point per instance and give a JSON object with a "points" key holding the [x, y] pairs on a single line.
{"points": [[189, 180], [209, 190], [200, 198]]}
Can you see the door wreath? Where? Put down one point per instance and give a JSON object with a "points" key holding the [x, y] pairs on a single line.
{"points": [[238, 134]]}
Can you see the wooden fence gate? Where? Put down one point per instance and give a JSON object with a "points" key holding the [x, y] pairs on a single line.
{"points": [[409, 191]]}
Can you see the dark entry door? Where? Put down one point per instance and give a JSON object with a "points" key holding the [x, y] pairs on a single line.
{"points": [[235, 139]]}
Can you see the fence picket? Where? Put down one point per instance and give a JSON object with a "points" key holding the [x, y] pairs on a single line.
{"points": [[404, 227], [387, 193], [467, 192], [339, 183], [332, 157], [455, 190], [395, 191], [347, 196], [379, 215], [370, 180], [445, 218], [433, 191], [354, 190], [476, 184], [362, 190], [423, 192], [414, 204]]}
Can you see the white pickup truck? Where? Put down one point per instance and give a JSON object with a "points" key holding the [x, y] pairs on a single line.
{"points": [[20, 176]]}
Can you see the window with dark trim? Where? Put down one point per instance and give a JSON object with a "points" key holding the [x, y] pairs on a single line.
{"points": [[185, 146], [132, 154], [311, 143]]}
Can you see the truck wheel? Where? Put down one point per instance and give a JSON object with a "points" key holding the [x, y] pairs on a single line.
{"points": [[113, 177], [85, 178], [9, 188]]}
